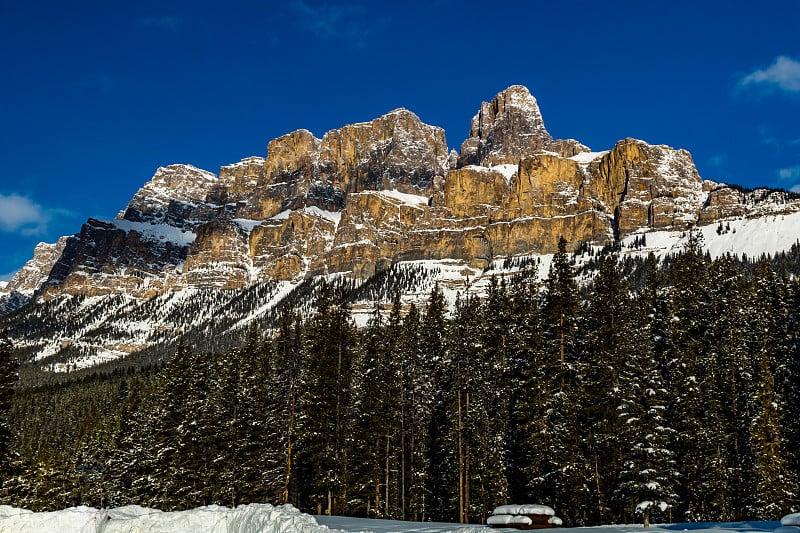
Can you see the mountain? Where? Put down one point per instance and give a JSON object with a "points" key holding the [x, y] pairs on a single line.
{"points": [[377, 202]]}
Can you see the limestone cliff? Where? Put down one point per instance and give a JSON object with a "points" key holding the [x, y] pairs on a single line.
{"points": [[370, 194]]}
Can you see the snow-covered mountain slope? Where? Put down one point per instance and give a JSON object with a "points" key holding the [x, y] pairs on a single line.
{"points": [[377, 193], [380, 204], [70, 332]]}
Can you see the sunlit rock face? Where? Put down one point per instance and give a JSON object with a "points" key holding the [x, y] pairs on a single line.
{"points": [[370, 194]]}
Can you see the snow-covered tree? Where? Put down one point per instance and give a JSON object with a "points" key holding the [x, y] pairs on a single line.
{"points": [[8, 380], [648, 474], [326, 399]]}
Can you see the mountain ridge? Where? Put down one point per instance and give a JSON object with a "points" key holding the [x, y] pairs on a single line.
{"points": [[475, 212], [370, 196]]}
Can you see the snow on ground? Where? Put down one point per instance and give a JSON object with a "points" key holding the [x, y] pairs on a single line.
{"points": [[791, 520], [265, 518], [362, 525], [247, 224], [253, 518], [754, 237], [365, 525], [283, 215], [159, 232]]}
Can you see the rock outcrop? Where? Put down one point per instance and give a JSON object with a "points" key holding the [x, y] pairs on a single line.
{"points": [[370, 194], [509, 128]]}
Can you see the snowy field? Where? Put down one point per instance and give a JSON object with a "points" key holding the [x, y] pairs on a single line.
{"points": [[265, 518], [360, 525]]}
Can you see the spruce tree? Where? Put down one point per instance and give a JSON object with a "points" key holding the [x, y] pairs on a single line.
{"points": [[565, 468], [8, 381], [729, 338], [648, 473], [609, 321], [325, 402], [376, 404], [419, 398], [697, 412], [771, 483], [286, 371], [532, 372]]}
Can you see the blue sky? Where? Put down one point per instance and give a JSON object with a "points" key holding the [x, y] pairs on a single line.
{"points": [[97, 95]]}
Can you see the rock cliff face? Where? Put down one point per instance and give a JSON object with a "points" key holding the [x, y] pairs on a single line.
{"points": [[370, 194]]}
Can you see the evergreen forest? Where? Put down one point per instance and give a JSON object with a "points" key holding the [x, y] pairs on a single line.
{"points": [[649, 390]]}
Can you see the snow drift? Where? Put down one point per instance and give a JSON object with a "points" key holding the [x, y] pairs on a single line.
{"points": [[253, 518]]}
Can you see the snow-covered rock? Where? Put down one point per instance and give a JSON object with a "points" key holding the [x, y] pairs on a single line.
{"points": [[524, 509], [791, 520]]}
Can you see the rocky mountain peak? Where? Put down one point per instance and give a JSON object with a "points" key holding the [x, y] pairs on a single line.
{"points": [[169, 193], [35, 272], [505, 129], [371, 194], [508, 128]]}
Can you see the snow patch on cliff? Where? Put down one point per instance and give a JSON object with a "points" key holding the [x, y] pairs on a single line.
{"points": [[157, 232]]}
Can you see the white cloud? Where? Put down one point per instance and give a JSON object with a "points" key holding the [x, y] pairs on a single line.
{"points": [[783, 74], [789, 174], [20, 214]]}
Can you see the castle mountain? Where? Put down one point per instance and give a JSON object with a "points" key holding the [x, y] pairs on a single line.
{"points": [[372, 195]]}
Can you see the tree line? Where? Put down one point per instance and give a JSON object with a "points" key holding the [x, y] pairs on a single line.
{"points": [[667, 391]]}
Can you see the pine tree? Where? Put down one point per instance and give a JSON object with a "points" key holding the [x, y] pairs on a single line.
{"points": [[377, 392], [440, 478], [729, 323], [648, 473], [532, 372], [791, 397], [286, 375], [565, 469], [8, 380], [325, 403], [499, 388], [419, 398], [609, 322], [697, 413], [464, 396], [772, 485]]}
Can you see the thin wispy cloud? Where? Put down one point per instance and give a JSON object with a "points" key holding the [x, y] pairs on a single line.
{"points": [[783, 75], [21, 215], [791, 175], [162, 22], [340, 21]]}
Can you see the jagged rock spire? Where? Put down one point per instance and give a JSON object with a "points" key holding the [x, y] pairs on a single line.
{"points": [[504, 129]]}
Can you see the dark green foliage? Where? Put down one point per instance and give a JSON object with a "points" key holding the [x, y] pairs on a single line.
{"points": [[674, 382], [8, 380]]}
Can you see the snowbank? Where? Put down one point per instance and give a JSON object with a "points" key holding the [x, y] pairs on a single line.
{"points": [[253, 518], [791, 520], [525, 509], [509, 520]]}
